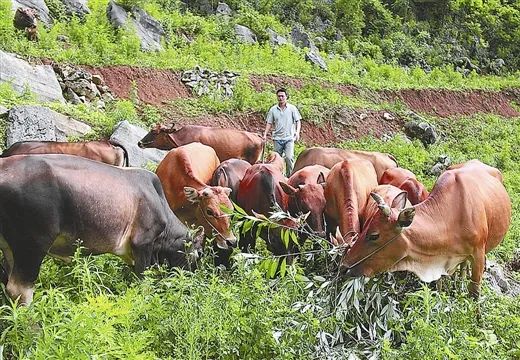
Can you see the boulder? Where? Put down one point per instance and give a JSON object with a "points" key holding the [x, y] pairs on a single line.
{"points": [[128, 135], [40, 79], [245, 35], [442, 164], [3, 111], [496, 277], [315, 58], [116, 14], [301, 39], [275, 39], [38, 5], [148, 29], [223, 9], [421, 130], [78, 8], [40, 123]]}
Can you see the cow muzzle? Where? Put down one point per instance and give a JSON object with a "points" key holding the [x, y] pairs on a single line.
{"points": [[141, 144], [227, 243]]}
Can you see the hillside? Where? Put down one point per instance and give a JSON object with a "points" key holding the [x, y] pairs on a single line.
{"points": [[362, 72]]}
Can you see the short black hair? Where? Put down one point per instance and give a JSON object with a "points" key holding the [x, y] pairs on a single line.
{"points": [[282, 90]]}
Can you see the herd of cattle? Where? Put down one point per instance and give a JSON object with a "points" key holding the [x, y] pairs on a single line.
{"points": [[382, 216]]}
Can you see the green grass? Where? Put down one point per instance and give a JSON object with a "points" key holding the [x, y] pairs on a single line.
{"points": [[94, 42]]}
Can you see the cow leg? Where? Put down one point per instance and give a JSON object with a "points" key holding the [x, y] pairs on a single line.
{"points": [[142, 257], [24, 271], [477, 270]]}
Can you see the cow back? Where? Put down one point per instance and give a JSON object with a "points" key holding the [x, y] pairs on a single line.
{"points": [[229, 174], [227, 143], [259, 190], [347, 190], [329, 157], [102, 151], [188, 165]]}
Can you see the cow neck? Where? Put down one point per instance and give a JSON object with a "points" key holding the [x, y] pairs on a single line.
{"points": [[172, 140]]}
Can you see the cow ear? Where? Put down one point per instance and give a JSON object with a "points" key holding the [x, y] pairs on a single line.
{"points": [[288, 189], [405, 217], [321, 178], [191, 194], [227, 190], [399, 201]]}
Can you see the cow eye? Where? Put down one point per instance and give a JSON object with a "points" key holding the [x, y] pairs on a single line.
{"points": [[210, 212], [372, 237]]}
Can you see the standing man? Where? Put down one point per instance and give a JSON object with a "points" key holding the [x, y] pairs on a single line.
{"points": [[286, 119]]}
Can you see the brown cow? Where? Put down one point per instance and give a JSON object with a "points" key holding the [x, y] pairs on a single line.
{"points": [[405, 180], [260, 192], [329, 157], [306, 195], [227, 143], [228, 174], [102, 150], [184, 174], [347, 191], [466, 215]]}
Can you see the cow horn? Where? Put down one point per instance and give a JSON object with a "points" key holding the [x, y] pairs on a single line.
{"points": [[385, 209]]}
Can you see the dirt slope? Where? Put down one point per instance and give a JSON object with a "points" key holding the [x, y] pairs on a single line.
{"points": [[158, 87]]}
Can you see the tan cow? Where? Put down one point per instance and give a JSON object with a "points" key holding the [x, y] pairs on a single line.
{"points": [[100, 150], [329, 157], [466, 215], [405, 180], [227, 143], [184, 174], [347, 191]]}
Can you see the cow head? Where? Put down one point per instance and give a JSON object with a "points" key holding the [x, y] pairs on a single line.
{"points": [[210, 201], [158, 137], [181, 252], [380, 246], [308, 198]]}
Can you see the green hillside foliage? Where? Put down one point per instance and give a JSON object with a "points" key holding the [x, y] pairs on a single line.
{"points": [[367, 43]]}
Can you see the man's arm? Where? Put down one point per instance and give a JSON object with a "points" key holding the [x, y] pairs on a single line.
{"points": [[267, 129], [298, 127]]}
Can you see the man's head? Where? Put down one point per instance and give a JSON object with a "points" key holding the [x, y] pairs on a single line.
{"points": [[282, 96]]}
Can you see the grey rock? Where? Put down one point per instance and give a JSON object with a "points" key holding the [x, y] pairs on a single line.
{"points": [[245, 35], [38, 5], [421, 130], [80, 86], [3, 111], [97, 79], [301, 39], [72, 97], [275, 39], [496, 277], [316, 59], [116, 14], [223, 9], [76, 7], [63, 38], [128, 135], [40, 123], [148, 29], [40, 79], [442, 164]]}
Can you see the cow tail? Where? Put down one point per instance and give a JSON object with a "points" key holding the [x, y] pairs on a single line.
{"points": [[115, 143]]}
